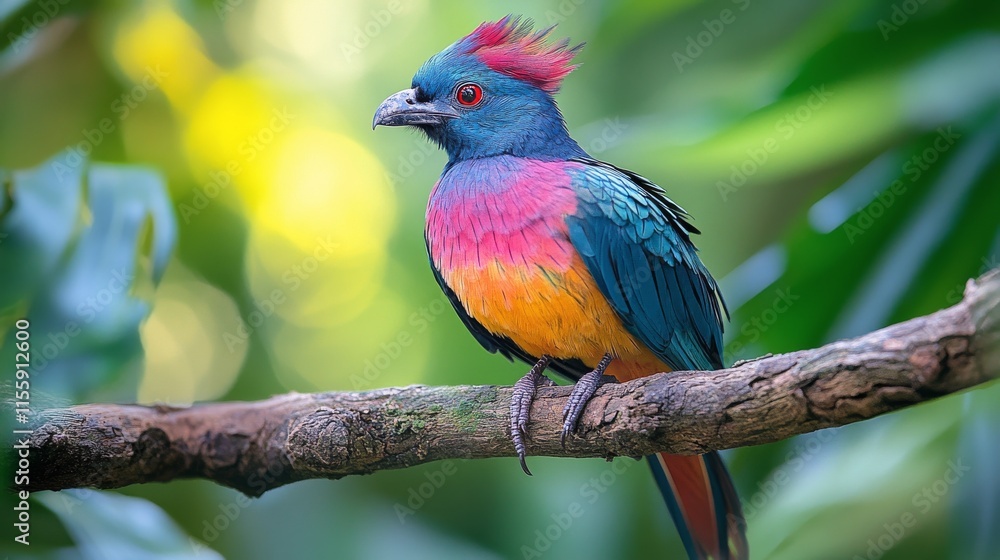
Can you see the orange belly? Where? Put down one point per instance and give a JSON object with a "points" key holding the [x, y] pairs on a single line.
{"points": [[560, 314]]}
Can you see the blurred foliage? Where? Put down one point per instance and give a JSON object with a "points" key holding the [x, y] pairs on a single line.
{"points": [[87, 242], [841, 158], [109, 525]]}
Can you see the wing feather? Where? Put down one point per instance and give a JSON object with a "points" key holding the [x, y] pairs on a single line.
{"points": [[636, 244]]}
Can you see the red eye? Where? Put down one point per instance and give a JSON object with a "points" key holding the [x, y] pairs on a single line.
{"points": [[469, 94]]}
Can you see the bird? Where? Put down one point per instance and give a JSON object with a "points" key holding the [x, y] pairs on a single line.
{"points": [[563, 261]]}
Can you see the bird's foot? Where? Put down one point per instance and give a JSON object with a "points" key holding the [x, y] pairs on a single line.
{"points": [[582, 392], [520, 406]]}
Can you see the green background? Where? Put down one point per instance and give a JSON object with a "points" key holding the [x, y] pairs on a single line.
{"points": [[841, 158]]}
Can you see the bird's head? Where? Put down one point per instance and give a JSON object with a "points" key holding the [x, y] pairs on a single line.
{"points": [[490, 93]]}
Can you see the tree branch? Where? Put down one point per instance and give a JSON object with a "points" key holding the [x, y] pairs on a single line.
{"points": [[256, 446]]}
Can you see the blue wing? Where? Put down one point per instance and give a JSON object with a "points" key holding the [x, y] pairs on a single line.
{"points": [[636, 244]]}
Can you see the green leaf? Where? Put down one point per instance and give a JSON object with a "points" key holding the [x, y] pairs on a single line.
{"points": [[87, 243], [109, 525]]}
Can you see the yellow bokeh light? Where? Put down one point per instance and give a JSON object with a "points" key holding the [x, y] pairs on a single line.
{"points": [[234, 124], [187, 358], [326, 184], [306, 28], [319, 228], [156, 43], [335, 43], [313, 287]]}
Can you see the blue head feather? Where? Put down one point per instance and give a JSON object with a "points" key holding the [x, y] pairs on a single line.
{"points": [[515, 117]]}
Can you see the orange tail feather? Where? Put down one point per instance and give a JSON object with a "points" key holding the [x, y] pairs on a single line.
{"points": [[703, 504]]}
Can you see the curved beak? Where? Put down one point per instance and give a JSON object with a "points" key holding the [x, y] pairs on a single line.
{"points": [[402, 109]]}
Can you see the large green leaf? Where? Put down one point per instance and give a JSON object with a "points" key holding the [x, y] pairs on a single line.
{"points": [[84, 244]]}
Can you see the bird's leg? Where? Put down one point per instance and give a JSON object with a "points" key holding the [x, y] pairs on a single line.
{"points": [[520, 405], [582, 392]]}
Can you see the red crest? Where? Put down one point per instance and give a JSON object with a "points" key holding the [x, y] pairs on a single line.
{"points": [[510, 46]]}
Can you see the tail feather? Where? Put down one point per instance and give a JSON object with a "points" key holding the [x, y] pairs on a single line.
{"points": [[736, 525], [704, 505]]}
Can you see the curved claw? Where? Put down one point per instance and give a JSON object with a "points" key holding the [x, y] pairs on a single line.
{"points": [[520, 404], [584, 389], [524, 465], [520, 407]]}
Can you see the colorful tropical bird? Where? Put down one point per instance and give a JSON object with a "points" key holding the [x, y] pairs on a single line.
{"points": [[561, 260]]}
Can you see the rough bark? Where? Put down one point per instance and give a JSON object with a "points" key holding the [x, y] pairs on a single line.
{"points": [[256, 446]]}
